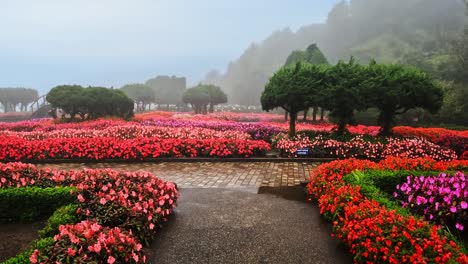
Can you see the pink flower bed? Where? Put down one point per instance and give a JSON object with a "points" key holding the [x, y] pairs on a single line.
{"points": [[121, 211], [359, 148]]}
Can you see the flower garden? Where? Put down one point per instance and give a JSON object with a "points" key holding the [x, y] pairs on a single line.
{"points": [[399, 199], [100, 216], [225, 135]]}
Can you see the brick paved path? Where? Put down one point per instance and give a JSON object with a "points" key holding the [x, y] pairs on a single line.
{"points": [[214, 174]]}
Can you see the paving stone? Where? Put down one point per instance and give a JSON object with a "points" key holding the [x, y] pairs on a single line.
{"points": [[214, 174]]}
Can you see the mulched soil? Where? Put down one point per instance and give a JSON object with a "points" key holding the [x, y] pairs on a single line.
{"points": [[15, 238]]}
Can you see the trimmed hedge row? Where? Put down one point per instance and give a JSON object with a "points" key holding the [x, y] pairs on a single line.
{"points": [[32, 203]]}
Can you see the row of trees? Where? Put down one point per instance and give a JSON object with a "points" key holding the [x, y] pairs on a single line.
{"points": [[161, 90], [348, 87], [202, 97], [89, 103], [12, 98]]}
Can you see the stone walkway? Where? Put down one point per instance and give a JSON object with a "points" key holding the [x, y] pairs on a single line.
{"points": [[214, 174]]}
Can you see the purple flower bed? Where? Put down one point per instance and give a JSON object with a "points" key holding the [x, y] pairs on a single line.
{"points": [[442, 199], [256, 130]]}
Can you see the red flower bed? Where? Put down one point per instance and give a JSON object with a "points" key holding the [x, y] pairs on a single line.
{"points": [[18, 149], [373, 233]]}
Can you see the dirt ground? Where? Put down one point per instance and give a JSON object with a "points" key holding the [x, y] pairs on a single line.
{"points": [[15, 238]]}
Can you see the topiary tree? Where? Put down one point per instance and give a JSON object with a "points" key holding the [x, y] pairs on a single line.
{"points": [[293, 88], [11, 98], [198, 98], [142, 94], [343, 95], [394, 89], [312, 55], [217, 96], [91, 102]]}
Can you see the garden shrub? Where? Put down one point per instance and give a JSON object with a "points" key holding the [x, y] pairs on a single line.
{"points": [[63, 215], [27, 204]]}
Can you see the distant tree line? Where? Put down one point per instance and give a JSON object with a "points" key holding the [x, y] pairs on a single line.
{"points": [[164, 90], [345, 88], [12, 98], [78, 103]]}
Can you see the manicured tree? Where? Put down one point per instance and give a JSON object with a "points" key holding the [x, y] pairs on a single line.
{"points": [[198, 97], [70, 99], [343, 94], [91, 102], [292, 88], [394, 89], [142, 94], [312, 55], [217, 96]]}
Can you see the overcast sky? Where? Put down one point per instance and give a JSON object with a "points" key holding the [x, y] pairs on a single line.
{"points": [[112, 42]]}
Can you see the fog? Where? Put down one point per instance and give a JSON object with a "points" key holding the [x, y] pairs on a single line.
{"points": [[404, 31], [114, 42]]}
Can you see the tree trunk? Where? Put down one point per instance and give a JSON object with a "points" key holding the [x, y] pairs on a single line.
{"points": [[341, 127], [322, 113], [292, 124], [286, 115], [386, 120], [314, 113], [211, 108], [306, 111]]}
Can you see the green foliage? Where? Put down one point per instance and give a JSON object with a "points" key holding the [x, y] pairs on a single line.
{"points": [[63, 215], [294, 88], [90, 103], [394, 89], [202, 95], [312, 55], [43, 244], [344, 92], [167, 90], [379, 185], [142, 94], [10, 98], [28, 204], [384, 30]]}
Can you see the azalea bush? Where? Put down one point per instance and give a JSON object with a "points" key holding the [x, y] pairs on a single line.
{"points": [[372, 232], [125, 208], [359, 148], [441, 199]]}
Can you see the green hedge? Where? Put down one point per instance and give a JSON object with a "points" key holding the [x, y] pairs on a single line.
{"points": [[28, 204]]}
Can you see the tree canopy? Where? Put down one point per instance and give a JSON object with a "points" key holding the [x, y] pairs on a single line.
{"points": [[202, 96], [167, 90], [142, 94], [394, 89], [10, 98], [293, 88], [90, 103]]}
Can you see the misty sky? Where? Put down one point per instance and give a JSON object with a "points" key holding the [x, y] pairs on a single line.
{"points": [[113, 42]]}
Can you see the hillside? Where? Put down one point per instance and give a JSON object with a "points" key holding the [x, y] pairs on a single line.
{"points": [[406, 31]]}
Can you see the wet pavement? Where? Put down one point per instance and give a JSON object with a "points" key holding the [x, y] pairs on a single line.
{"points": [[238, 212], [246, 225], [214, 174]]}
